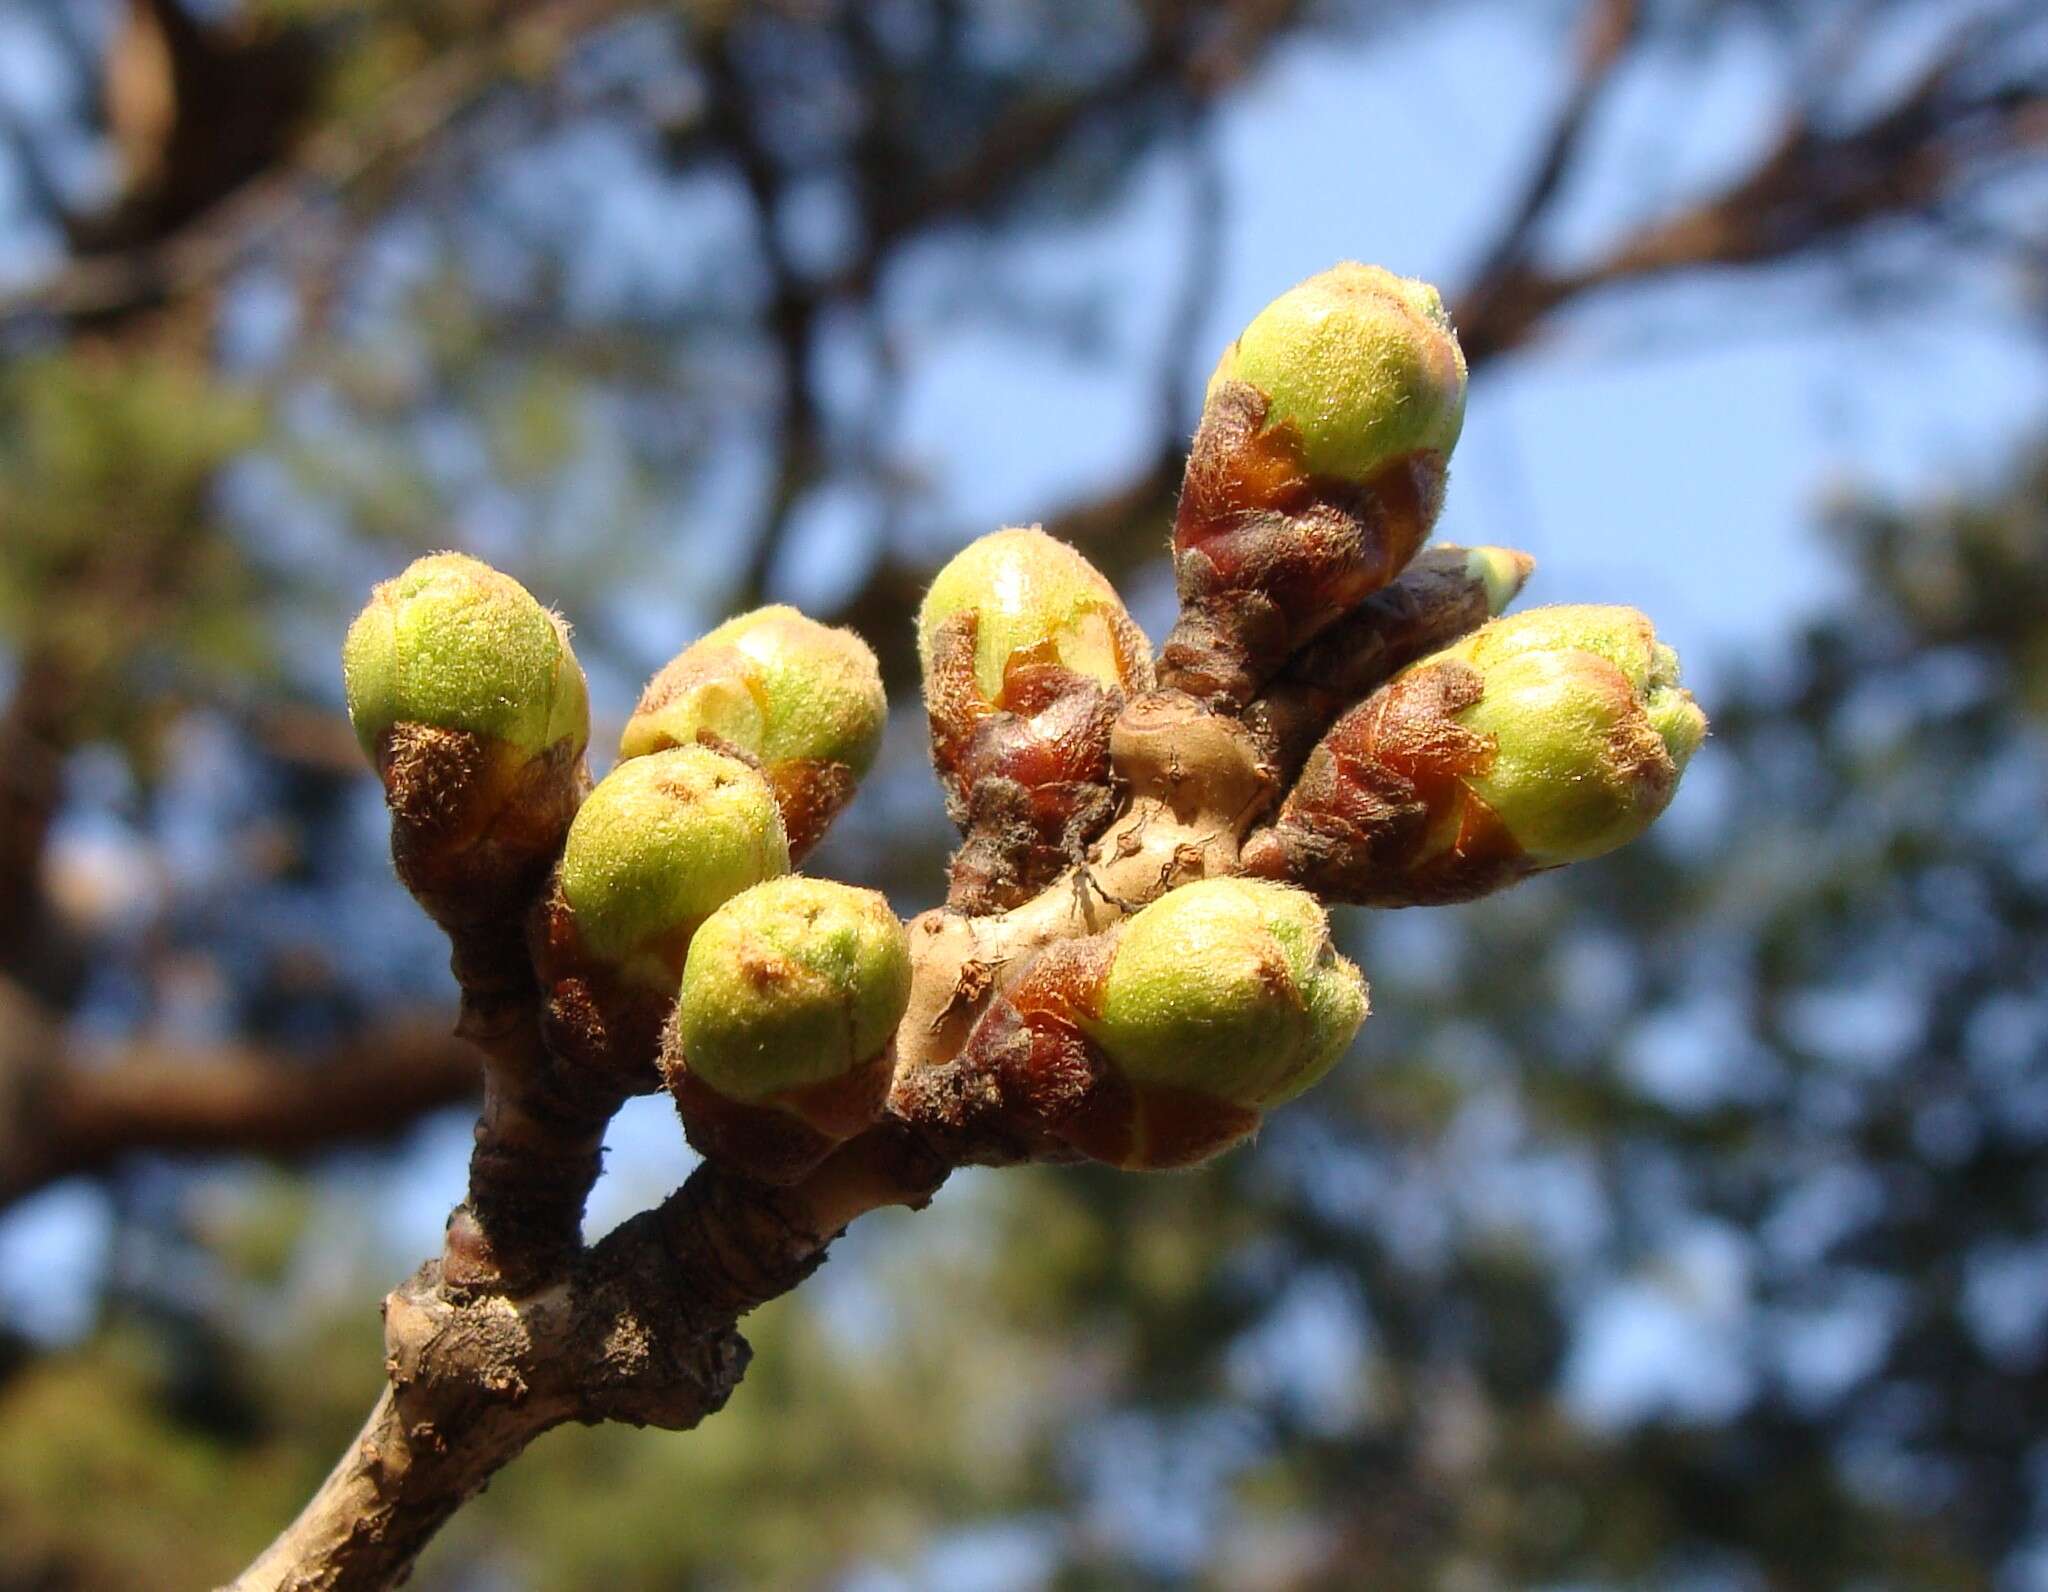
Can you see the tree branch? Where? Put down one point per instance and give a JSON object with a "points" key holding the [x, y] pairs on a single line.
{"points": [[67, 1113], [1181, 61], [34, 738], [1814, 188], [199, 252], [1606, 31], [515, 1331], [641, 1330]]}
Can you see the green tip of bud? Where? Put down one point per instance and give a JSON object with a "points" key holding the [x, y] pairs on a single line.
{"points": [[660, 844], [1623, 636], [1229, 988], [1590, 726], [1362, 363], [1503, 571], [794, 982], [1035, 600], [1675, 716], [773, 683], [453, 644]]}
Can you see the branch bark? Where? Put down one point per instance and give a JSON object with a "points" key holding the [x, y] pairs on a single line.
{"points": [[34, 738], [196, 250], [642, 1329], [1606, 31]]}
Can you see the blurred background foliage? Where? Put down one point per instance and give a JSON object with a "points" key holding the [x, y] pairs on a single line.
{"points": [[1679, 1222]]}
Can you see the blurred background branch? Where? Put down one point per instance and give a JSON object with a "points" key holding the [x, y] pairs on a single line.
{"points": [[68, 1114]]}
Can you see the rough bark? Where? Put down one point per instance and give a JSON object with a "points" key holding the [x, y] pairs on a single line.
{"points": [[642, 1328]]}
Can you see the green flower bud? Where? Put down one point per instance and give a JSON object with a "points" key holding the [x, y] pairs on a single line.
{"points": [[773, 683], [659, 845], [1591, 729], [1544, 738], [800, 699], [1362, 363], [1623, 636], [452, 644], [790, 985], [1316, 474], [1035, 600], [1229, 989]]}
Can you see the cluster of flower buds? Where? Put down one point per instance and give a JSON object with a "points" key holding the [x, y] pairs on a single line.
{"points": [[469, 703], [1134, 963], [1163, 1040], [1316, 474], [1028, 655], [1545, 738], [742, 750]]}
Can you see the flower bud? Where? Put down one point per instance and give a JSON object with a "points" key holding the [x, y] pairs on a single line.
{"points": [[465, 694], [1317, 472], [802, 700], [1164, 1040], [660, 844], [1361, 364], [452, 644], [1035, 602], [1229, 989], [782, 1039], [1028, 655], [1586, 758], [1549, 737]]}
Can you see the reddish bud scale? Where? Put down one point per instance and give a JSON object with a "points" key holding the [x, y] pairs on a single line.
{"points": [[1364, 823], [1268, 555], [1053, 1091], [810, 791], [1027, 778], [784, 1137], [601, 1026], [1438, 598], [475, 825]]}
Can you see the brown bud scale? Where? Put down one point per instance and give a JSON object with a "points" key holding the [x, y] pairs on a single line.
{"points": [[1030, 1085], [786, 1136], [1365, 823], [1267, 555], [474, 825], [597, 1024], [1436, 600], [1027, 778]]}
